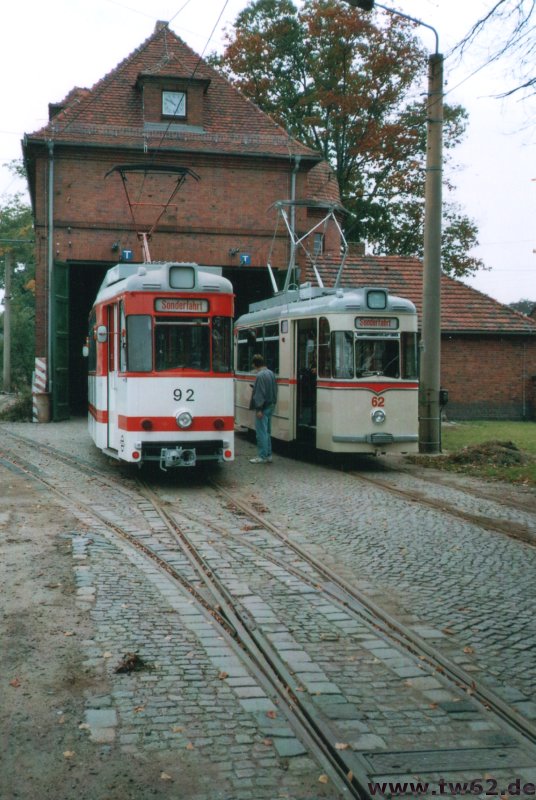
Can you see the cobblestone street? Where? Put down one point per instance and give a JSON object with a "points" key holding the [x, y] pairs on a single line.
{"points": [[194, 722]]}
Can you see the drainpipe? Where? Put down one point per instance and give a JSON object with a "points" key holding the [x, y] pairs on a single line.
{"points": [[50, 258], [292, 260]]}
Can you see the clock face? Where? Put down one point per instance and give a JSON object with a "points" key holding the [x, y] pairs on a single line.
{"points": [[174, 104]]}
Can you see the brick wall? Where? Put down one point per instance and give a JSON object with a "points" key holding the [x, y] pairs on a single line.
{"points": [[228, 212], [489, 377]]}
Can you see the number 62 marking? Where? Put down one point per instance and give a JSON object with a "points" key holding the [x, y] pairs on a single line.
{"points": [[378, 402]]}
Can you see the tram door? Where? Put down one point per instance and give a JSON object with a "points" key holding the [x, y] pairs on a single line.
{"points": [[112, 377], [306, 361]]}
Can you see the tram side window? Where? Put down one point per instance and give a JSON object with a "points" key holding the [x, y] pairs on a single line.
{"points": [[182, 345], [409, 355], [324, 349], [271, 347], [247, 347], [377, 356], [221, 344], [139, 343], [342, 348]]}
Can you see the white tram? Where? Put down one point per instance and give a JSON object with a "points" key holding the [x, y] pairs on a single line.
{"points": [[345, 359], [160, 365], [346, 367]]}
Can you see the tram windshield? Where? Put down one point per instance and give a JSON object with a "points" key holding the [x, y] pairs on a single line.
{"points": [[356, 356], [378, 356], [185, 343], [182, 345]]}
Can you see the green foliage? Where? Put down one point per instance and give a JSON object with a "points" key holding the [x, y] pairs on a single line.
{"points": [[349, 85], [524, 305], [20, 410], [16, 242]]}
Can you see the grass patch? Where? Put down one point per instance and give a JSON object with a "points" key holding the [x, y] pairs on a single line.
{"points": [[494, 450], [18, 409]]}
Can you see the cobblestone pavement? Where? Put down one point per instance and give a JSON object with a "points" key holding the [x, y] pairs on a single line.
{"points": [[466, 589]]}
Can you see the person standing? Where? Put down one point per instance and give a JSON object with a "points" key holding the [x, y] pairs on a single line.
{"points": [[263, 400]]}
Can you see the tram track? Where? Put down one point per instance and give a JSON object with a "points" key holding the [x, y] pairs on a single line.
{"points": [[507, 527], [347, 770], [260, 657]]}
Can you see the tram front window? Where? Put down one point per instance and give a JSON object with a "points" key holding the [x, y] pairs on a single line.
{"points": [[378, 356], [182, 345]]}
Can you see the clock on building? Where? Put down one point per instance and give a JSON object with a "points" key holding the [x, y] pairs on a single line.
{"points": [[174, 104]]}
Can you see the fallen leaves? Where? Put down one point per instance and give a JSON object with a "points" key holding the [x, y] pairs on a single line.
{"points": [[68, 753], [15, 683], [323, 779]]}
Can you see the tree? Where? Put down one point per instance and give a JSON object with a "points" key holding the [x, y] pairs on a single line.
{"points": [[16, 237], [511, 24], [349, 85], [524, 305]]}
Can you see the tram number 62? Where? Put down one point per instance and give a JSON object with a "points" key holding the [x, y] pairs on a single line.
{"points": [[378, 402], [188, 395]]}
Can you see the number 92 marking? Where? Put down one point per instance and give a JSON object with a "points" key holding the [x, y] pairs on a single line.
{"points": [[378, 402], [186, 394]]}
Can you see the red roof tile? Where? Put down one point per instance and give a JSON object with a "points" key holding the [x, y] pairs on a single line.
{"points": [[111, 111], [463, 309]]}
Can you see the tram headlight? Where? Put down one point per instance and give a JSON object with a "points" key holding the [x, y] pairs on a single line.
{"points": [[378, 416], [184, 419]]}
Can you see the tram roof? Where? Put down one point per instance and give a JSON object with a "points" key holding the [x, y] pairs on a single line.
{"points": [[310, 300], [155, 276]]}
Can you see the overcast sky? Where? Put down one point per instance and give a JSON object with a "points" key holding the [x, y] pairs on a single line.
{"points": [[50, 47]]}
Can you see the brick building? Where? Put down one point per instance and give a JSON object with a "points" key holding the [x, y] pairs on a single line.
{"points": [[162, 107]]}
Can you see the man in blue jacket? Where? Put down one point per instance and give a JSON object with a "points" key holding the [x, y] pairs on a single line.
{"points": [[263, 402]]}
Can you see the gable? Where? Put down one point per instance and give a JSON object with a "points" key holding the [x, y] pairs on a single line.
{"points": [[113, 112]]}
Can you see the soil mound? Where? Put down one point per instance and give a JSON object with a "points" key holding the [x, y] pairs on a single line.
{"points": [[504, 454]]}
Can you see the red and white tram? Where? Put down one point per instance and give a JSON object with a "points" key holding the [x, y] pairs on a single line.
{"points": [[160, 365]]}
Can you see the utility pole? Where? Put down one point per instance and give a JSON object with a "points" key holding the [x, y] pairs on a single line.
{"points": [[430, 373], [430, 363], [7, 323]]}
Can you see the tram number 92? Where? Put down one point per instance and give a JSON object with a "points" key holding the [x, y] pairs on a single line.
{"points": [[378, 402], [186, 394]]}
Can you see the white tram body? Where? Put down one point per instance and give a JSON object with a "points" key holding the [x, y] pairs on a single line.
{"points": [[160, 365], [345, 360]]}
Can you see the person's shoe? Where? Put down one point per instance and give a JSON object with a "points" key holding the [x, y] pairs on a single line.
{"points": [[268, 460], [257, 460]]}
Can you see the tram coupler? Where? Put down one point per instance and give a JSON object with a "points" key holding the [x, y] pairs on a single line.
{"points": [[176, 457]]}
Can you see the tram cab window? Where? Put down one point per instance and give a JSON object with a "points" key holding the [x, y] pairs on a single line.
{"points": [[139, 343], [182, 344], [122, 339], [377, 356], [342, 349], [221, 344], [409, 355]]}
